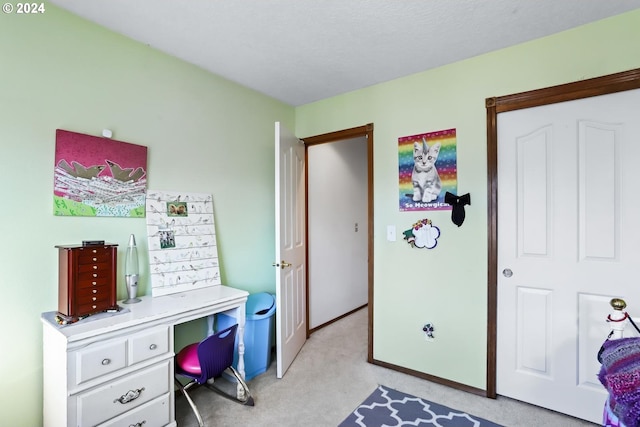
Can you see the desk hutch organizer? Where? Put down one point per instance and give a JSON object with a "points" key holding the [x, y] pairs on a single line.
{"points": [[86, 280]]}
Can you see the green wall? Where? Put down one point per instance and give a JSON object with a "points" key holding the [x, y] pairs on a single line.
{"points": [[206, 134], [447, 286], [203, 133]]}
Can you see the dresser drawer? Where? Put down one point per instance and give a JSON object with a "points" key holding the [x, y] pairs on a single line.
{"points": [[154, 413], [99, 359], [148, 344], [118, 397]]}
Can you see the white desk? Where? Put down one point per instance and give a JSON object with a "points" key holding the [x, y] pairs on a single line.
{"points": [[118, 370]]}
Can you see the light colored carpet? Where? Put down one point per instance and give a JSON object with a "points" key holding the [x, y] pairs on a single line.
{"points": [[330, 378]]}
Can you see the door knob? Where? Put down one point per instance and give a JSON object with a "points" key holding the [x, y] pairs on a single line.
{"points": [[507, 272], [283, 264]]}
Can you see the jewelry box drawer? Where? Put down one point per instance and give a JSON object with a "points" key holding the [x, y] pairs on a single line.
{"points": [[89, 255], [86, 294], [87, 277], [98, 359], [92, 282], [117, 397], [147, 345], [154, 413], [94, 306], [94, 266]]}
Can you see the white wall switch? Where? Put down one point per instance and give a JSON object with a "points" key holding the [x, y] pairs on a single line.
{"points": [[391, 233]]}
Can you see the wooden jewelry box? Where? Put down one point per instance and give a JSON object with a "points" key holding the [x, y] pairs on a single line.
{"points": [[86, 280]]}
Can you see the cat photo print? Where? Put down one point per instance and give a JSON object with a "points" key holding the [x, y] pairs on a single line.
{"points": [[427, 170]]}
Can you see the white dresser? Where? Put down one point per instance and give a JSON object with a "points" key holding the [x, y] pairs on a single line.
{"points": [[117, 370]]}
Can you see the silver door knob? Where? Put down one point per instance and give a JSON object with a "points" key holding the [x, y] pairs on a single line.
{"points": [[507, 272]]}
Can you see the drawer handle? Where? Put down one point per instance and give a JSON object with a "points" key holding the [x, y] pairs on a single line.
{"points": [[95, 291], [95, 267], [94, 283], [94, 251], [94, 306], [105, 362], [138, 424], [95, 275], [94, 259], [129, 396], [153, 347], [94, 298]]}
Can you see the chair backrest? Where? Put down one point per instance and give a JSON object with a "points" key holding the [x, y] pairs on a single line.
{"points": [[215, 353]]}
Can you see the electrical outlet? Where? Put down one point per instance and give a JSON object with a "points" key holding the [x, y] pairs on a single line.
{"points": [[428, 330]]}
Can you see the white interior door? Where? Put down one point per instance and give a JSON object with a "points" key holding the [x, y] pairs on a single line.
{"points": [[568, 233], [291, 317]]}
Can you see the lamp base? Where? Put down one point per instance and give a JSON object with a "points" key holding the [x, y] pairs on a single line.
{"points": [[132, 289]]}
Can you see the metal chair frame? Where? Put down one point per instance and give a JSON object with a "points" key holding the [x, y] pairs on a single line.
{"points": [[215, 355]]}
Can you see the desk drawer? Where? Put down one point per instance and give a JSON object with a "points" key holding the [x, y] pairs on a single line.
{"points": [[147, 345], [117, 397], [154, 413], [99, 359]]}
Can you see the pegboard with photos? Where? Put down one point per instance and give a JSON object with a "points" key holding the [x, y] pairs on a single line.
{"points": [[183, 253]]}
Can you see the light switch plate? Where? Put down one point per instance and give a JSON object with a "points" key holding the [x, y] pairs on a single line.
{"points": [[391, 233]]}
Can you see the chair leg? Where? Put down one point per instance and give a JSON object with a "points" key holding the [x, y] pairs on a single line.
{"points": [[245, 397], [184, 389]]}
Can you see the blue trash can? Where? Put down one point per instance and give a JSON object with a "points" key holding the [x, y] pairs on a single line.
{"points": [[259, 333]]}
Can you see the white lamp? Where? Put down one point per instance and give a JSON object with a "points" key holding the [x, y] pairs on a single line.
{"points": [[131, 271]]}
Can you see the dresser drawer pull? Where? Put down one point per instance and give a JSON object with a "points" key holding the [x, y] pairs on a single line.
{"points": [[153, 347], [138, 424], [129, 396], [95, 267], [94, 259], [105, 362]]}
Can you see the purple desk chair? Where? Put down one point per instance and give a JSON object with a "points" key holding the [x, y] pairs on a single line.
{"points": [[207, 360]]}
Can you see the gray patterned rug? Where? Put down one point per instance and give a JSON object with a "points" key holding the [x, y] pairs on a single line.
{"points": [[386, 407]]}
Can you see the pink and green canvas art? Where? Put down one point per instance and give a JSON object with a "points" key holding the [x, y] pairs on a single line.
{"points": [[95, 176]]}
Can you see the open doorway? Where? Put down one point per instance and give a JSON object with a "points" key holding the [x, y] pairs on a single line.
{"points": [[340, 163]]}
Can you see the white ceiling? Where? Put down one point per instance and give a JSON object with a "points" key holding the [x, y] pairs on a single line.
{"points": [[300, 51]]}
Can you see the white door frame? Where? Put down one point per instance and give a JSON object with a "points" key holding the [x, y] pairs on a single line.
{"points": [[582, 89]]}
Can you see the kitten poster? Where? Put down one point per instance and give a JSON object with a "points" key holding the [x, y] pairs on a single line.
{"points": [[427, 166]]}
